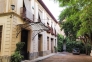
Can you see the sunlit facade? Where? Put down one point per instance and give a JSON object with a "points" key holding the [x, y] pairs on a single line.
{"points": [[16, 26]]}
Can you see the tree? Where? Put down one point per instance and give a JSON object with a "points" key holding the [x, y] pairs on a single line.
{"points": [[78, 18], [78, 12], [72, 23]]}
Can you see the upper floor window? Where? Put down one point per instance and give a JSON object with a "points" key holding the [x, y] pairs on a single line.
{"points": [[39, 15], [47, 24], [27, 11], [47, 43]]}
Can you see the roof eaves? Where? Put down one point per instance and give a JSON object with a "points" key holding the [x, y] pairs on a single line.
{"points": [[47, 10]]}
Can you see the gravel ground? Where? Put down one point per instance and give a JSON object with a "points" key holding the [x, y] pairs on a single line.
{"points": [[68, 57]]}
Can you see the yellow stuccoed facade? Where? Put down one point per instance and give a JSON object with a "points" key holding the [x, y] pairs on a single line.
{"points": [[9, 33], [9, 20]]}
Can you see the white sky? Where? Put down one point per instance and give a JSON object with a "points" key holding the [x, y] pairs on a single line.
{"points": [[53, 7]]}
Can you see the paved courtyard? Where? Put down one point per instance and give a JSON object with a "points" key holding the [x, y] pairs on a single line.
{"points": [[68, 57]]}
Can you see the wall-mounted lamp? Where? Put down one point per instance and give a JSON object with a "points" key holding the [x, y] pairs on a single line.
{"points": [[12, 7]]}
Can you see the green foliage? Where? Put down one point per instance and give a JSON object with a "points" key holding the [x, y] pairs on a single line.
{"points": [[56, 49], [60, 39], [86, 19], [78, 16], [88, 48], [80, 3], [75, 44], [72, 23], [70, 44], [17, 57], [68, 29], [19, 46]]}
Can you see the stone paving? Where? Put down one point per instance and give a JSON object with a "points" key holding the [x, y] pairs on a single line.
{"points": [[68, 57]]}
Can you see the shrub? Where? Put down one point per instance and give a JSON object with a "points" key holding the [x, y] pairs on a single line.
{"points": [[75, 44], [56, 49], [60, 39], [17, 57]]}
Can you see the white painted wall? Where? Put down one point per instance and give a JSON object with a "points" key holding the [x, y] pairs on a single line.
{"points": [[35, 11], [34, 43], [19, 5]]}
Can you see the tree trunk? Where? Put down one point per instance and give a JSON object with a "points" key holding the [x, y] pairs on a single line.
{"points": [[86, 49], [91, 38]]}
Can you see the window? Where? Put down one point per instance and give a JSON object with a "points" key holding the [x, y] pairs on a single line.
{"points": [[55, 43], [47, 21], [47, 43], [0, 36], [47, 24], [39, 15]]}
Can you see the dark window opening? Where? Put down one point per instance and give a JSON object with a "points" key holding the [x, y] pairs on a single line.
{"points": [[47, 43], [0, 36]]}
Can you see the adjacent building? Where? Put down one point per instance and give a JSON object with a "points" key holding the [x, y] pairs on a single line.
{"points": [[28, 21]]}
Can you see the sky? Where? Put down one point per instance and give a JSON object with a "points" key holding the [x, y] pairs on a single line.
{"points": [[53, 7]]}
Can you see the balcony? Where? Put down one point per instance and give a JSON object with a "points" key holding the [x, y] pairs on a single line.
{"points": [[52, 31], [49, 31], [26, 15]]}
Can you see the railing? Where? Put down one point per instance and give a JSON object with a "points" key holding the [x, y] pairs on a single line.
{"points": [[2, 6], [49, 31], [52, 32], [5, 59], [25, 14]]}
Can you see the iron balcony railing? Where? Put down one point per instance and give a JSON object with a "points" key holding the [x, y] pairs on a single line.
{"points": [[51, 30], [27, 15]]}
